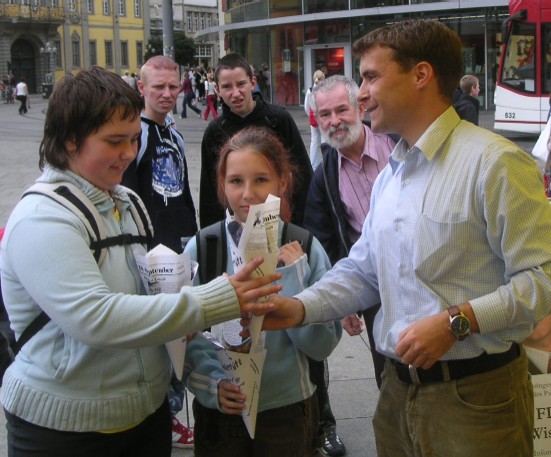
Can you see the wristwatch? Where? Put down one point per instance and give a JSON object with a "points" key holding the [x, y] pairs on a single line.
{"points": [[460, 326]]}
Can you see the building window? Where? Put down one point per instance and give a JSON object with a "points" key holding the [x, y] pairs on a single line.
{"points": [[109, 54], [189, 21], [122, 7], [203, 51], [75, 52], [202, 21], [139, 53], [93, 49], [106, 7], [137, 8], [195, 22], [124, 53], [90, 6], [209, 20], [53, 3], [72, 5]]}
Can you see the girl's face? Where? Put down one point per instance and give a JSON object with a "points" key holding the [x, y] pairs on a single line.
{"points": [[249, 179], [105, 155]]}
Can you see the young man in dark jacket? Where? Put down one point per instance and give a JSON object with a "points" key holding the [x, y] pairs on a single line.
{"points": [[234, 85], [159, 175]]}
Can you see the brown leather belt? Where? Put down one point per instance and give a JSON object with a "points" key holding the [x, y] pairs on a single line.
{"points": [[455, 369]]}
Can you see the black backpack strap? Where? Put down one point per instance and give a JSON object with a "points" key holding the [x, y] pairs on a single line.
{"points": [[292, 232], [211, 251], [212, 247], [71, 199], [141, 218], [32, 329], [96, 245], [65, 196]]}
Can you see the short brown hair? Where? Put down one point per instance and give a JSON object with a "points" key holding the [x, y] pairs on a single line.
{"points": [[231, 61], [420, 40], [79, 105]]}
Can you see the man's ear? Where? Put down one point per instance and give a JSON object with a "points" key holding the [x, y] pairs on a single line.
{"points": [[140, 87], [424, 73]]}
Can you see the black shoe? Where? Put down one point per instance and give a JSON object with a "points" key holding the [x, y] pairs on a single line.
{"points": [[333, 445]]}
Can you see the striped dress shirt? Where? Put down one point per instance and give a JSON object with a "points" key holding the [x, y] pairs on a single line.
{"points": [[460, 217]]}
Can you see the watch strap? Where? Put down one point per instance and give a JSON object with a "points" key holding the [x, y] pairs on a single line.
{"points": [[454, 311]]}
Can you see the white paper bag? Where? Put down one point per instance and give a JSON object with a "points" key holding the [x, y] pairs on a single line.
{"points": [[244, 364], [542, 414], [540, 150], [164, 271]]}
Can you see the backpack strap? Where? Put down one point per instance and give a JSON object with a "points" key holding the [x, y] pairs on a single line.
{"points": [[141, 218], [212, 251], [212, 247], [292, 232], [32, 329], [72, 198]]}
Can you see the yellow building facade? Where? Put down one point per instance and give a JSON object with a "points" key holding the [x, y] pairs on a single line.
{"points": [[45, 39]]}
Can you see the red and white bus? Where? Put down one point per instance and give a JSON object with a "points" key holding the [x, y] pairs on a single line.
{"points": [[524, 75]]}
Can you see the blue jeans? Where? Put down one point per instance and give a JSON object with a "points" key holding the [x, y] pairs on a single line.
{"points": [[188, 99]]}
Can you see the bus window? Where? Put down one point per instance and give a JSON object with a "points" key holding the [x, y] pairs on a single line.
{"points": [[518, 71], [546, 75]]}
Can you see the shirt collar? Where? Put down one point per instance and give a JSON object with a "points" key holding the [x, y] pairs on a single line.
{"points": [[430, 141], [367, 150]]}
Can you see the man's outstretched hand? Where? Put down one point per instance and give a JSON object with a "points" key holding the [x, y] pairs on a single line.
{"points": [[250, 290], [284, 312]]}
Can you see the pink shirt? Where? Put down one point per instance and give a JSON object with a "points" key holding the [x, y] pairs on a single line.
{"points": [[356, 181]]}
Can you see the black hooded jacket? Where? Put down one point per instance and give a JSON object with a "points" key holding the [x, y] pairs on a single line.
{"points": [[223, 128], [467, 108], [159, 175]]}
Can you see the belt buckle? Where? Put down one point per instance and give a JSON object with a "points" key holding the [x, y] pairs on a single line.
{"points": [[414, 375]]}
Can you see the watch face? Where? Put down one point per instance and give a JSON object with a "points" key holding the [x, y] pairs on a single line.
{"points": [[460, 325]]}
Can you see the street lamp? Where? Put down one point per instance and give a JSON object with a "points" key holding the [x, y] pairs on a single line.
{"points": [[150, 50], [49, 50]]}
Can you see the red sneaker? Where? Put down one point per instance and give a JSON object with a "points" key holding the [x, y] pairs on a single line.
{"points": [[182, 436]]}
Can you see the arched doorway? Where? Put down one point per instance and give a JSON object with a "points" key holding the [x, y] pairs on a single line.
{"points": [[23, 58]]}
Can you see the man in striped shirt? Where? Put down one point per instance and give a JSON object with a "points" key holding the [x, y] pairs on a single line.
{"points": [[455, 247]]}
